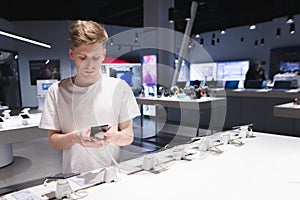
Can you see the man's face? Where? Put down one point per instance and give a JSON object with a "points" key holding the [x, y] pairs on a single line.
{"points": [[88, 59]]}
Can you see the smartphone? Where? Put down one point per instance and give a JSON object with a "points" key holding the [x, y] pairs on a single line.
{"points": [[98, 129], [25, 116], [1, 120], [62, 175]]}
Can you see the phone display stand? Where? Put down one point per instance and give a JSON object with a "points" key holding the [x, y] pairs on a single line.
{"points": [[6, 114], [25, 116]]}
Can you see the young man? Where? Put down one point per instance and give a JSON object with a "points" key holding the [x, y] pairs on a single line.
{"points": [[75, 104]]}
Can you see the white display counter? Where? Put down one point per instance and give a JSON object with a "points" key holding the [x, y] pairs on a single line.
{"points": [[289, 110], [265, 167], [13, 131]]}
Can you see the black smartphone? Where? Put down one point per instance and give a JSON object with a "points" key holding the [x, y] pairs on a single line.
{"points": [[62, 175], [98, 129], [1, 120], [25, 116]]}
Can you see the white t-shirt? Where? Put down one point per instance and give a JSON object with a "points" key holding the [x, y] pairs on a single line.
{"points": [[68, 107]]}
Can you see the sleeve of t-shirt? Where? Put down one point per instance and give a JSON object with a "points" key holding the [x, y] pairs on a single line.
{"points": [[129, 107], [49, 119]]}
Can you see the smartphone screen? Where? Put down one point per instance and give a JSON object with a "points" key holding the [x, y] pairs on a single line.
{"points": [[97, 129], [62, 175], [1, 120], [25, 116]]}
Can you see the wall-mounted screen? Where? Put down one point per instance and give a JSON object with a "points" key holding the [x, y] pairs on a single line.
{"points": [[232, 70], [149, 68], [203, 71], [289, 66], [44, 69]]}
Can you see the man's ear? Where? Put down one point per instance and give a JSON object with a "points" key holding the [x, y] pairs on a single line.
{"points": [[71, 54]]}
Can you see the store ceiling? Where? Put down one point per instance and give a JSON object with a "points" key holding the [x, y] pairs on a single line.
{"points": [[211, 14]]}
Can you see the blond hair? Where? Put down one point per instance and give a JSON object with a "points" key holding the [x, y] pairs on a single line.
{"points": [[86, 32]]}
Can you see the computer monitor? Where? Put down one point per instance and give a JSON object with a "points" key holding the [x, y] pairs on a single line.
{"points": [[283, 84], [214, 84], [254, 84], [231, 84]]}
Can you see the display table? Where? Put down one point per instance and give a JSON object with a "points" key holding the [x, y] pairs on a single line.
{"points": [[288, 110], [208, 112], [13, 131], [266, 167]]}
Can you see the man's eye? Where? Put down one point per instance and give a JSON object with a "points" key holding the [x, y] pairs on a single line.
{"points": [[96, 58], [82, 58]]}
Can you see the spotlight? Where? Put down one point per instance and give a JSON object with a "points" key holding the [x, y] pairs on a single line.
{"points": [[290, 20], [252, 27], [278, 32], [262, 42], [223, 31], [242, 39], [292, 28], [171, 15], [197, 35], [201, 41], [255, 43], [212, 42]]}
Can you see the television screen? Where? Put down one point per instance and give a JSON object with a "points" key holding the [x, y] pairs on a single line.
{"points": [[44, 69], [203, 71], [289, 66], [232, 70]]}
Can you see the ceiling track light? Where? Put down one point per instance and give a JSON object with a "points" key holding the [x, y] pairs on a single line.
{"points": [[292, 28], [255, 43], [223, 31], [197, 35], [252, 27], [212, 42], [290, 20], [242, 39], [171, 15], [10, 35], [262, 42], [278, 32], [201, 41]]}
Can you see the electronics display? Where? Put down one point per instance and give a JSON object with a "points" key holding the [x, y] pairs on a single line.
{"points": [[99, 129], [45, 86], [44, 69], [231, 84], [203, 71], [254, 84], [214, 84], [232, 70], [289, 66], [149, 80], [24, 116], [1, 120], [62, 175], [282, 85]]}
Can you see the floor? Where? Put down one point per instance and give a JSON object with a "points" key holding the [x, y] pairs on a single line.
{"points": [[34, 160]]}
